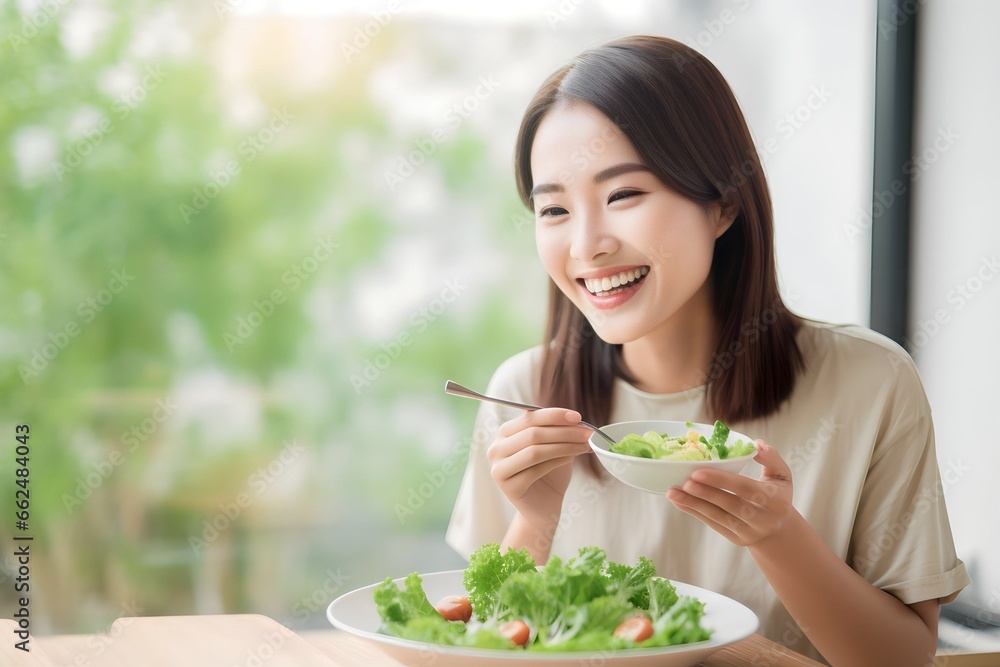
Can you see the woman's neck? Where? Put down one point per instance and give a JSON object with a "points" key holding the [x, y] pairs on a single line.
{"points": [[675, 356]]}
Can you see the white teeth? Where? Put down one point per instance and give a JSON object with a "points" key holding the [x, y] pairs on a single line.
{"points": [[601, 285]]}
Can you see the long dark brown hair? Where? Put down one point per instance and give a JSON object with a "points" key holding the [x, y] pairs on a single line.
{"points": [[683, 120]]}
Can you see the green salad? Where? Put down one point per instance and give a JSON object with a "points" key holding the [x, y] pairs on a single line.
{"points": [[587, 603], [688, 447]]}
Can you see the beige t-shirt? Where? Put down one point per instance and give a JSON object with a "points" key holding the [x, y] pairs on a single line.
{"points": [[856, 433]]}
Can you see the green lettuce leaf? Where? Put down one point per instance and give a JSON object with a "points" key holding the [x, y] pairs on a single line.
{"points": [[530, 597], [681, 624], [741, 448], [487, 571], [399, 606], [431, 629], [662, 597], [634, 444], [718, 440], [631, 583], [586, 626]]}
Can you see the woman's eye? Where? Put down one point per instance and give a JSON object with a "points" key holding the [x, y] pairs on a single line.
{"points": [[622, 194], [552, 211]]}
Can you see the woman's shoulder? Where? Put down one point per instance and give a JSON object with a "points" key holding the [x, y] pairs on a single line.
{"points": [[848, 357], [851, 341]]}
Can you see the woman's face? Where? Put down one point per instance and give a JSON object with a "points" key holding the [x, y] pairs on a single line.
{"points": [[631, 254]]}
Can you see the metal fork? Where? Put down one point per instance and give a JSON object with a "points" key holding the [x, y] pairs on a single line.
{"points": [[456, 389]]}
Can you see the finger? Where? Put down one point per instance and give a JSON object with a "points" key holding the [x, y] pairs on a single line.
{"points": [[537, 436], [769, 458], [708, 510], [729, 502], [748, 488], [543, 417], [533, 456], [519, 483], [677, 498]]}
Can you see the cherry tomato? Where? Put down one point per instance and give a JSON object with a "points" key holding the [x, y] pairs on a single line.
{"points": [[516, 631], [454, 608], [637, 628]]}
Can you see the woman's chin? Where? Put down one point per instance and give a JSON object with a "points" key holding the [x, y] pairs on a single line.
{"points": [[612, 335]]}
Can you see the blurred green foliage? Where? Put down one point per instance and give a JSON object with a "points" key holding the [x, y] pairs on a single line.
{"points": [[149, 425]]}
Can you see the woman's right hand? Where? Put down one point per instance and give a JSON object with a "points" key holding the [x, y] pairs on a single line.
{"points": [[531, 461]]}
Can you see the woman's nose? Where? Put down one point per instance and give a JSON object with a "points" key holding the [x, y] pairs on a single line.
{"points": [[592, 238]]}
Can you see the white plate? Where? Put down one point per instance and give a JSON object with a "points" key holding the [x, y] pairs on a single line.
{"points": [[355, 613]]}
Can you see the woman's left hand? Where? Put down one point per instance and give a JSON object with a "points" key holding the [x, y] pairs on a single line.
{"points": [[743, 510]]}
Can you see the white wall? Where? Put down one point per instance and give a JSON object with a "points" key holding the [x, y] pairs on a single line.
{"points": [[956, 278]]}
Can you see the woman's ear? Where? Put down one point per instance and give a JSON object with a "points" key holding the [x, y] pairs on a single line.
{"points": [[723, 216]]}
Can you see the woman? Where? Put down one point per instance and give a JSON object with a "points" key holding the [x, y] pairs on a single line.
{"points": [[654, 222]]}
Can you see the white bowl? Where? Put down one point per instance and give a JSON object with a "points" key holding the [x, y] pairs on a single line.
{"points": [[657, 476]]}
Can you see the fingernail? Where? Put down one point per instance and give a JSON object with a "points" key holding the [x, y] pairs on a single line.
{"points": [[573, 416]]}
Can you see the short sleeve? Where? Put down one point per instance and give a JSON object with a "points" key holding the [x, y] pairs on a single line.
{"points": [[902, 540], [482, 513]]}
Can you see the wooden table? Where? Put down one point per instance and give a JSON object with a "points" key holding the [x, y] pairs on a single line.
{"points": [[257, 641], [754, 650]]}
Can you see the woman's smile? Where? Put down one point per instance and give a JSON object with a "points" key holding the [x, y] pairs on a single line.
{"points": [[610, 288]]}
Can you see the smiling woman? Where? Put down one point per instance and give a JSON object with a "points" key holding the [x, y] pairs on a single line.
{"points": [[654, 224], [690, 177]]}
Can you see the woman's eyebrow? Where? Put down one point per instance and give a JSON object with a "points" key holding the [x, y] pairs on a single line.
{"points": [[600, 177], [618, 170]]}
